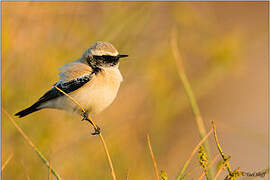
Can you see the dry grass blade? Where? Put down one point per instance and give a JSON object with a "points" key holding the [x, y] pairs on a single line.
{"points": [[225, 159], [180, 175], [219, 171], [181, 71], [76, 102], [50, 174], [190, 172], [210, 164], [6, 162], [193, 102], [43, 159], [108, 156], [100, 135], [153, 157]]}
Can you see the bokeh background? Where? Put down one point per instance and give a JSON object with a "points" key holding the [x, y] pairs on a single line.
{"points": [[225, 53]]}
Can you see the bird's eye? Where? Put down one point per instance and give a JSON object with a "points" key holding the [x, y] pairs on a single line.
{"points": [[99, 58], [107, 58]]}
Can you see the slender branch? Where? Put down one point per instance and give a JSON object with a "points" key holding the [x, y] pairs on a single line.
{"points": [[197, 167], [6, 162], [70, 97], [233, 174], [225, 159], [190, 171], [219, 171], [76, 102], [43, 159], [100, 135], [108, 156], [180, 174], [181, 71], [153, 157], [50, 174], [194, 105]]}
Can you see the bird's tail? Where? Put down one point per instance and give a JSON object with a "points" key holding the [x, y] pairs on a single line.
{"points": [[29, 110]]}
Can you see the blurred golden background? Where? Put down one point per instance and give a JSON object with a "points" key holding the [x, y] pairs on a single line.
{"points": [[225, 51]]}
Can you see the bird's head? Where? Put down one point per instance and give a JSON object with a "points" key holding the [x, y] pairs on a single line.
{"points": [[102, 54]]}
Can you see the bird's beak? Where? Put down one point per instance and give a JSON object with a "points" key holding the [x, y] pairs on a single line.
{"points": [[122, 55]]}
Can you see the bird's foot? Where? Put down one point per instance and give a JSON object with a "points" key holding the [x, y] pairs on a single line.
{"points": [[85, 116], [96, 128]]}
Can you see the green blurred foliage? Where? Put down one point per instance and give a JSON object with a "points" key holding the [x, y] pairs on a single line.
{"points": [[40, 37]]}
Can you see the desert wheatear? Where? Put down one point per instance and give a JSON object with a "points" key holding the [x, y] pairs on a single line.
{"points": [[93, 80]]}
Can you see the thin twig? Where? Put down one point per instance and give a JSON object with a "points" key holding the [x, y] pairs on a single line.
{"points": [[100, 135], [50, 174], [153, 157], [6, 162], [219, 171], [189, 172], [43, 159], [76, 102], [108, 156], [181, 71], [194, 105], [180, 174], [225, 159], [198, 167], [210, 164]]}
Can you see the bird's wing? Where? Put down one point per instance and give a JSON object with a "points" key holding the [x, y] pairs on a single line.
{"points": [[71, 77], [73, 70]]}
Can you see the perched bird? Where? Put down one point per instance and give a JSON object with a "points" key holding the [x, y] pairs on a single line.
{"points": [[93, 80]]}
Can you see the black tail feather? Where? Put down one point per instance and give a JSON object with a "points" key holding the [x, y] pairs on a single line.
{"points": [[29, 110]]}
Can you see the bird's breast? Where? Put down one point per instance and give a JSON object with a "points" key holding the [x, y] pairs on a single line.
{"points": [[100, 91]]}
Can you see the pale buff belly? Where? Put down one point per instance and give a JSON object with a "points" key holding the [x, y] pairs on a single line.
{"points": [[94, 96]]}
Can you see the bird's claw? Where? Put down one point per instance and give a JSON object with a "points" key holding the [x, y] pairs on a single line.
{"points": [[96, 128], [85, 116], [97, 131]]}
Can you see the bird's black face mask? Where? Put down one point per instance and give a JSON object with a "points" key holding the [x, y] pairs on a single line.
{"points": [[107, 60]]}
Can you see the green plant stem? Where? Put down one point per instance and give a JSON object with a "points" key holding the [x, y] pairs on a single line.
{"points": [[219, 171], [181, 173], [6, 162], [100, 135], [187, 87], [27, 139]]}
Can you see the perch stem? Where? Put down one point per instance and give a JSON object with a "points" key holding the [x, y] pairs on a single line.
{"points": [[153, 157], [100, 135]]}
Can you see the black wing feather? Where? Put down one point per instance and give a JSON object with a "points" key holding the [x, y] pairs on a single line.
{"points": [[67, 87], [53, 93]]}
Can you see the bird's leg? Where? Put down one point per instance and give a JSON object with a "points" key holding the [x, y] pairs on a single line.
{"points": [[85, 118]]}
